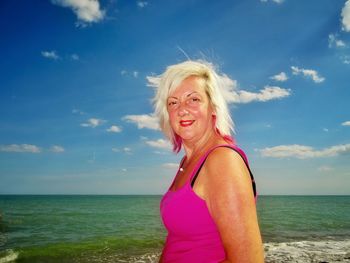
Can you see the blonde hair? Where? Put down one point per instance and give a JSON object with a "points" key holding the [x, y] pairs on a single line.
{"points": [[215, 86]]}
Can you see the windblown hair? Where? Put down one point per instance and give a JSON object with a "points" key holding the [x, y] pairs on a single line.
{"points": [[215, 86]]}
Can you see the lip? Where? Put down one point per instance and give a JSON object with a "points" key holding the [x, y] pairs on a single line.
{"points": [[186, 123]]}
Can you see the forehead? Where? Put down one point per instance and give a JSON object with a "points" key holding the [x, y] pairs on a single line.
{"points": [[188, 85]]}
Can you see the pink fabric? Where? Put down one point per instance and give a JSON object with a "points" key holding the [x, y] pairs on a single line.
{"points": [[192, 233]]}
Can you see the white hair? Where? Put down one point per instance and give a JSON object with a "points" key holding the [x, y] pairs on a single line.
{"points": [[215, 86]]}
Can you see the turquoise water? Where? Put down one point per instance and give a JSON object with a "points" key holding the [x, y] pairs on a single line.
{"points": [[297, 218], [77, 228], [129, 229]]}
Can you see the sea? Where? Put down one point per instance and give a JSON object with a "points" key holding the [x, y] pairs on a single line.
{"points": [[123, 228]]}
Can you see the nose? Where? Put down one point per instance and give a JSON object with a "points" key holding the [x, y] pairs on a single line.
{"points": [[182, 110]]}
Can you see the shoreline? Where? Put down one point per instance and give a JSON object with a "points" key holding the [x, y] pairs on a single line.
{"points": [[325, 251]]}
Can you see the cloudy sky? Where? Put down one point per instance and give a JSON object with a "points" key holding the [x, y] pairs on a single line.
{"points": [[75, 108]]}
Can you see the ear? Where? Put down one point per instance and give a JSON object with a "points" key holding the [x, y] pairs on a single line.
{"points": [[213, 117]]}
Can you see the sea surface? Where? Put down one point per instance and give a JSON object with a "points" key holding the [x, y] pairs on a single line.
{"points": [[76, 228]]}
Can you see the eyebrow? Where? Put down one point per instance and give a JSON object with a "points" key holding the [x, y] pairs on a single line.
{"points": [[188, 95], [191, 93]]}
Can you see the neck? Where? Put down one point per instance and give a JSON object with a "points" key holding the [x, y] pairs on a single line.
{"points": [[196, 149]]}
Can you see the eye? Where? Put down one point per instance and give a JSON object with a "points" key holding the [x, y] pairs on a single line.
{"points": [[172, 103], [193, 100]]}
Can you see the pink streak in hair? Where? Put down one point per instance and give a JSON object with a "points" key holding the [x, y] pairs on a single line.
{"points": [[227, 138], [177, 143]]}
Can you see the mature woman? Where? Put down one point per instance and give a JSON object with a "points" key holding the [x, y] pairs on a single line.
{"points": [[209, 209]]}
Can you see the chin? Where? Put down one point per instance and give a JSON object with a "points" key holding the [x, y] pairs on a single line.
{"points": [[188, 137]]}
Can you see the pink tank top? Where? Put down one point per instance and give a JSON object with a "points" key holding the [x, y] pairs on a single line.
{"points": [[192, 233]]}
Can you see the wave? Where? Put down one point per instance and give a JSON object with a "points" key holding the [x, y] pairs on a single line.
{"points": [[326, 251], [8, 255], [329, 251], [308, 251]]}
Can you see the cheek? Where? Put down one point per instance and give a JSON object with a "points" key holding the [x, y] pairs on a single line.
{"points": [[200, 112], [172, 117], [196, 110]]}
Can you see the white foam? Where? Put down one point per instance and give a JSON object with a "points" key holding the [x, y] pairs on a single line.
{"points": [[8, 256], [112, 258], [147, 258], [292, 252], [308, 251]]}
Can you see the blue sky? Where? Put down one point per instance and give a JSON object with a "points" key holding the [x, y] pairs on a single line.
{"points": [[75, 108]]}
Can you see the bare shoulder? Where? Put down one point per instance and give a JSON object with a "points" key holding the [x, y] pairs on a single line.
{"points": [[226, 173], [224, 158]]}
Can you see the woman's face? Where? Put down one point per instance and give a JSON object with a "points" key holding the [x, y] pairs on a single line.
{"points": [[190, 111]]}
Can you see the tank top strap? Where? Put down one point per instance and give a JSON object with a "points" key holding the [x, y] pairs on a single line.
{"points": [[201, 162]]}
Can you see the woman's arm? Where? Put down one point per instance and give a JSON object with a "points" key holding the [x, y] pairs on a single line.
{"points": [[230, 199]]}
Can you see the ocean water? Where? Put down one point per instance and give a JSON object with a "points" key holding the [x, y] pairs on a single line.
{"points": [[128, 228]]}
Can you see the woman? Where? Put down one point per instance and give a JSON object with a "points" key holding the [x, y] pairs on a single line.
{"points": [[209, 209]]}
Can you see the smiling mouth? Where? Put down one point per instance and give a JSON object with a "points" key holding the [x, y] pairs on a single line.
{"points": [[186, 123]]}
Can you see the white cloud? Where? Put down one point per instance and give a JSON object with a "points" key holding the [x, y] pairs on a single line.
{"points": [[266, 94], [50, 55], [303, 152], [346, 123], [127, 150], [333, 41], [142, 4], [313, 74], [233, 95], [160, 143], [275, 1], [170, 165], [74, 57], [114, 128], [134, 73], [124, 170], [21, 148], [57, 149], [345, 13], [77, 111], [325, 130], [345, 59], [87, 11], [280, 77], [93, 122], [148, 121]]}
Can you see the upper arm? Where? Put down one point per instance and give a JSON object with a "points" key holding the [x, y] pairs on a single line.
{"points": [[229, 195]]}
